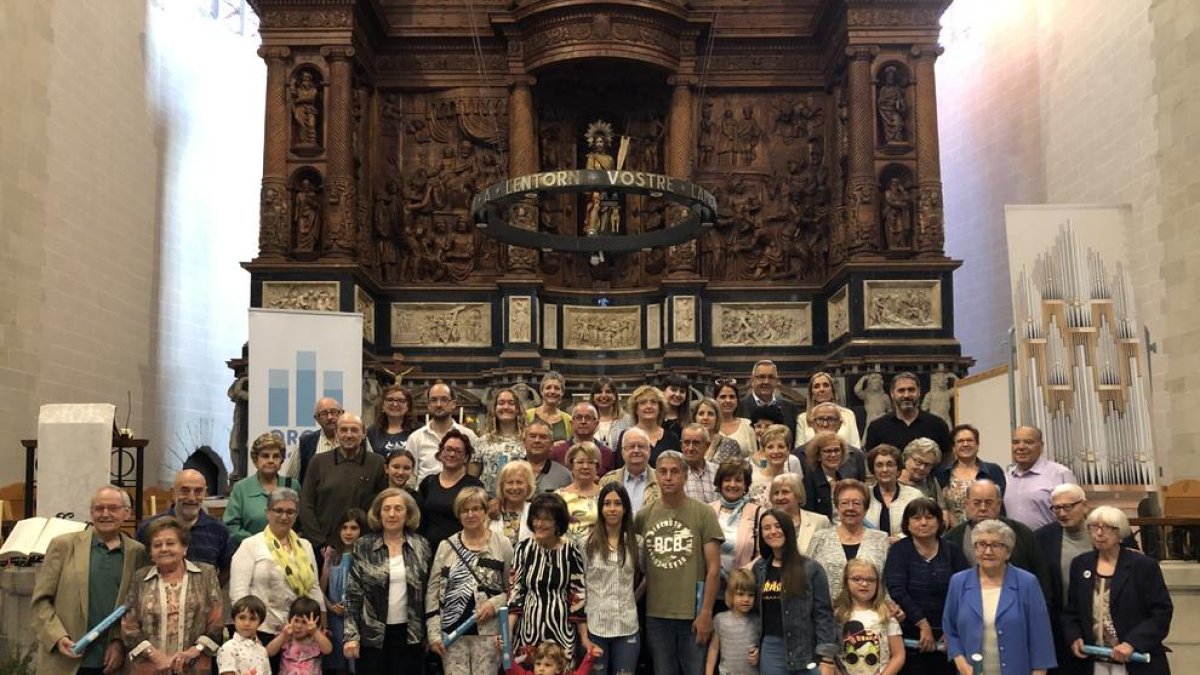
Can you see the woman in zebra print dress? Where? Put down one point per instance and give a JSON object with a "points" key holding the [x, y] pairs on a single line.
{"points": [[469, 578], [547, 598]]}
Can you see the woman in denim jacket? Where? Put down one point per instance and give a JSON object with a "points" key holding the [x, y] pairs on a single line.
{"points": [[798, 633]]}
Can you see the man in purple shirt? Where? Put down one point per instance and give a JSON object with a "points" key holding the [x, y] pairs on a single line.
{"points": [[1030, 479]]}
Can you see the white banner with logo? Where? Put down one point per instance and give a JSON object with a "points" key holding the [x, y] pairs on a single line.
{"points": [[297, 357]]}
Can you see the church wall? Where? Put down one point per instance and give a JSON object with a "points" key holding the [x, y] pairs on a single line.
{"points": [[1176, 87], [117, 245], [1072, 102]]}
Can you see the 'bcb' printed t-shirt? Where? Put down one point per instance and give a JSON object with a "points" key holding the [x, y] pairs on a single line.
{"points": [[674, 541]]}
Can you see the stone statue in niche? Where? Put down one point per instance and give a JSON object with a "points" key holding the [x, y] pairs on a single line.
{"points": [[603, 215], [704, 144], [897, 216], [273, 221], [307, 212], [930, 235], [941, 395], [871, 392], [305, 98], [386, 230], [748, 136], [892, 107], [239, 395], [461, 251]]}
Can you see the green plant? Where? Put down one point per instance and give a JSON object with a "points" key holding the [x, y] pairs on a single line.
{"points": [[16, 662]]}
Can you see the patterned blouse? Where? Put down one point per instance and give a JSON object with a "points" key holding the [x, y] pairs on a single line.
{"points": [[173, 617], [827, 550], [455, 584], [491, 454], [547, 594], [612, 612], [367, 589]]}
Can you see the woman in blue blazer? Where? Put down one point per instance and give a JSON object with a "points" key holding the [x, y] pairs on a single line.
{"points": [[997, 610], [1138, 601]]}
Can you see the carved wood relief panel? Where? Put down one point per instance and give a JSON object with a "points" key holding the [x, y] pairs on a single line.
{"points": [[441, 324], [902, 304], [761, 324]]}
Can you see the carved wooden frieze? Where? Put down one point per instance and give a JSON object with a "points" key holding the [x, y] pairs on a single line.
{"points": [[520, 316], [683, 313], [441, 324], [761, 324], [902, 304], [838, 307], [862, 17], [364, 304], [316, 296], [602, 328], [632, 34], [305, 18]]}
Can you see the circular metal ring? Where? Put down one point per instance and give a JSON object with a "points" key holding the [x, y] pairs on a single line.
{"points": [[488, 205]]}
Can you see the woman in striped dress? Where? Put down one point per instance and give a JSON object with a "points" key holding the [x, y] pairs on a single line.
{"points": [[547, 597]]}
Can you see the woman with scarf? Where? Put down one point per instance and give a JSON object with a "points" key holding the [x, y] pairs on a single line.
{"points": [[276, 565]]}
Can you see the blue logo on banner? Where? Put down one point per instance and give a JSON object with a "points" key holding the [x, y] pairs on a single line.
{"points": [[281, 404]]}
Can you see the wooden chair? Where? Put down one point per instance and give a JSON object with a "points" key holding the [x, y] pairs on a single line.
{"points": [[1181, 499]]}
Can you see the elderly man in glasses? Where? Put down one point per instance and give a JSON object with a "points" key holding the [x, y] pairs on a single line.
{"points": [[315, 441]]}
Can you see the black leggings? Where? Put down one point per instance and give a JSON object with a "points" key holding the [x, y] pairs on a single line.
{"points": [[395, 657]]}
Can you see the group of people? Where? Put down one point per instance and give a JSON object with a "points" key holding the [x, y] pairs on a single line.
{"points": [[732, 534]]}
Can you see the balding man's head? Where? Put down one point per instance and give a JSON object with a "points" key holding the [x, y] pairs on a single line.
{"points": [[1026, 446], [635, 449], [189, 491], [350, 433], [983, 501], [326, 413]]}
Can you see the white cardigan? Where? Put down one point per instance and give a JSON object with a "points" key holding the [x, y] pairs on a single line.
{"points": [[895, 511], [254, 572]]}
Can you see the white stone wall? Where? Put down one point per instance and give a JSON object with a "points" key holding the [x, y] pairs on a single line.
{"points": [[131, 139], [1080, 102]]}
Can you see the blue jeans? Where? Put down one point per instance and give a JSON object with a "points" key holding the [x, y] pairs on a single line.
{"points": [[620, 654], [673, 647], [772, 659]]}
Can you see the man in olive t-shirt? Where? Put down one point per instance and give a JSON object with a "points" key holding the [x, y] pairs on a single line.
{"points": [[683, 548]]}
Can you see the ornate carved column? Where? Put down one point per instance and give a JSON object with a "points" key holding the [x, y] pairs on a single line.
{"points": [[274, 212], [522, 142], [680, 131], [862, 197], [930, 234], [342, 205], [522, 160]]}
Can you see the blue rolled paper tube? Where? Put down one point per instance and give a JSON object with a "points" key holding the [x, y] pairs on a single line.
{"points": [[505, 638], [448, 640], [1106, 652], [916, 644], [94, 634]]}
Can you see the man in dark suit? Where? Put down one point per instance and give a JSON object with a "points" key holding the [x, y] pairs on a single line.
{"points": [[983, 503], [84, 578], [314, 441], [764, 379]]}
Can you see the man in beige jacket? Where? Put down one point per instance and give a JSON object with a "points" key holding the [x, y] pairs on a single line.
{"points": [[84, 578]]}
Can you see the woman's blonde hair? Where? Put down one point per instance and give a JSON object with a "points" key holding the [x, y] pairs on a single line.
{"points": [[631, 402], [518, 466], [843, 605]]}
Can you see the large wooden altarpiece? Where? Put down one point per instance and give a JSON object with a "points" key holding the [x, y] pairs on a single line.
{"points": [[813, 122]]}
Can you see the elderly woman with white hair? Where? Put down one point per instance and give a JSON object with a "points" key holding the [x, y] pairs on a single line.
{"points": [[786, 493], [1117, 599], [921, 456], [996, 609]]}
